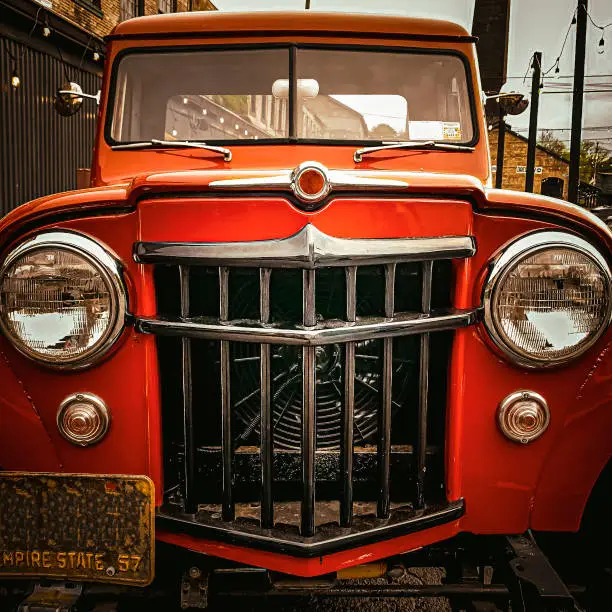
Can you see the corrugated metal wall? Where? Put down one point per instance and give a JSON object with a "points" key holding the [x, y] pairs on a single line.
{"points": [[40, 151]]}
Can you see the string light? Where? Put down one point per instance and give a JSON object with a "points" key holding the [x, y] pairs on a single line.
{"points": [[602, 28], [555, 65], [15, 80], [46, 31], [96, 56]]}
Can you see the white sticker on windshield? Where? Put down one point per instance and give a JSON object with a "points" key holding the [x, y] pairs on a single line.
{"points": [[426, 130], [452, 131], [435, 130]]}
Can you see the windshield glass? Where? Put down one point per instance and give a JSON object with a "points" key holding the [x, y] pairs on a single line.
{"points": [[340, 95]]}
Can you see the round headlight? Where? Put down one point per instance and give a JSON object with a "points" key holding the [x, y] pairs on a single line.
{"points": [[547, 298], [62, 300]]}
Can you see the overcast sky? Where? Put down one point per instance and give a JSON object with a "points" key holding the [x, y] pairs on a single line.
{"points": [[535, 25]]}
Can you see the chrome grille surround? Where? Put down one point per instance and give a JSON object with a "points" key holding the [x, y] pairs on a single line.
{"points": [[309, 250]]}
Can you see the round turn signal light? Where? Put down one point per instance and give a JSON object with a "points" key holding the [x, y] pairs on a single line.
{"points": [[310, 182], [83, 419], [523, 416]]}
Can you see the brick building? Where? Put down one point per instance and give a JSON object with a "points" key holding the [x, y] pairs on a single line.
{"points": [[44, 44], [548, 165]]}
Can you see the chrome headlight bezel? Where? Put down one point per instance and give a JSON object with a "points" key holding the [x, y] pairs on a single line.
{"points": [[111, 272], [506, 261]]}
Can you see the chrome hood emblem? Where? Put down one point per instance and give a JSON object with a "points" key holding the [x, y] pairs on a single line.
{"points": [[311, 182]]}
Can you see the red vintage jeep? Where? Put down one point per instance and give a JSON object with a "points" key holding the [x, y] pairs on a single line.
{"points": [[291, 336]]}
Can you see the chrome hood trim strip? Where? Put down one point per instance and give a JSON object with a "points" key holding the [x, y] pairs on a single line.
{"points": [[364, 329], [339, 180], [309, 248]]}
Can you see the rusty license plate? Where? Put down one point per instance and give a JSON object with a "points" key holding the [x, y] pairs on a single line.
{"points": [[77, 526]]}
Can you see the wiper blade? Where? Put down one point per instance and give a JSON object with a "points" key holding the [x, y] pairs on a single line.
{"points": [[411, 144], [155, 143]]}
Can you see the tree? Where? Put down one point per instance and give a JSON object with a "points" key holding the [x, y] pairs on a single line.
{"points": [[593, 158], [551, 143], [383, 131]]}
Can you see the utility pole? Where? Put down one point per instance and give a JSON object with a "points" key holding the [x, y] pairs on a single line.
{"points": [[307, 7], [501, 145], [536, 79], [574, 166]]}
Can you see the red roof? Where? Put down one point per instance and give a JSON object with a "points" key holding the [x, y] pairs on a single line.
{"points": [[289, 21]]}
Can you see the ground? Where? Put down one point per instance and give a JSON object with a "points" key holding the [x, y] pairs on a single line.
{"points": [[429, 604]]}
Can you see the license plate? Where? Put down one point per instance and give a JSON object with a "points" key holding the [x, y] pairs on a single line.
{"points": [[77, 526]]}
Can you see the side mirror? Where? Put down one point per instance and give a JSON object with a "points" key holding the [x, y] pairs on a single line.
{"points": [[70, 97], [510, 101], [513, 103]]}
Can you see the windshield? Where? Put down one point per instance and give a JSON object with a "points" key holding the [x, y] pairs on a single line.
{"points": [[336, 94]]}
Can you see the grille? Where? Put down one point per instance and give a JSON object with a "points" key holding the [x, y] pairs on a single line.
{"points": [[304, 369]]}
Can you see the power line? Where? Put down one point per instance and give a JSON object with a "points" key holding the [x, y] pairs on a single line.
{"points": [[570, 91], [587, 129], [557, 76], [607, 138]]}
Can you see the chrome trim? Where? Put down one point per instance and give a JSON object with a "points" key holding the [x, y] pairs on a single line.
{"points": [[424, 365], [308, 441], [524, 395], [383, 505], [111, 270], [309, 248], [227, 506], [337, 180], [308, 296], [101, 409], [299, 192], [189, 464], [511, 255], [335, 331], [348, 405]]}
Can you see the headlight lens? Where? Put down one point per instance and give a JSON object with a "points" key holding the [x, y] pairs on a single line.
{"points": [[547, 299], [62, 300]]}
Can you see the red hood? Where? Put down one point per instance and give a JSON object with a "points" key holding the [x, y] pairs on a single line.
{"points": [[124, 197]]}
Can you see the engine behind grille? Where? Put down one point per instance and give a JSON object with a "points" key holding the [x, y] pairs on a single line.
{"points": [[301, 375]]}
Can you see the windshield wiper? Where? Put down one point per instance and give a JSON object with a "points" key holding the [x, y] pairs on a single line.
{"points": [[155, 143], [414, 144]]}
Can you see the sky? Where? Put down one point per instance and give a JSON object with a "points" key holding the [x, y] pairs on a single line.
{"points": [[535, 25]]}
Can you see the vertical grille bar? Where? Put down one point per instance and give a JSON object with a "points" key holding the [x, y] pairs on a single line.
{"points": [[266, 448], [226, 412], [309, 313], [384, 427], [188, 428], [346, 451], [308, 410], [421, 453]]}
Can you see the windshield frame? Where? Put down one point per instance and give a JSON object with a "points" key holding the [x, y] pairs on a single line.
{"points": [[292, 49]]}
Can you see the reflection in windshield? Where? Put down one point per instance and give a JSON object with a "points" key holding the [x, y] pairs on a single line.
{"points": [[244, 95]]}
